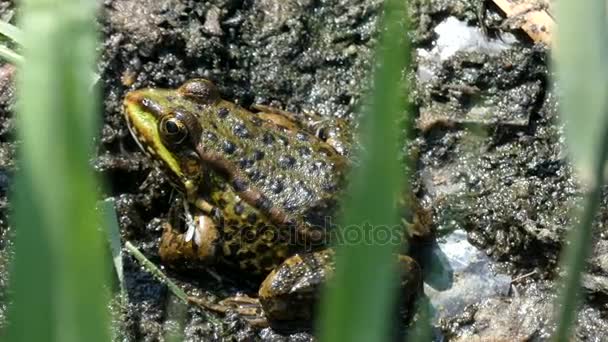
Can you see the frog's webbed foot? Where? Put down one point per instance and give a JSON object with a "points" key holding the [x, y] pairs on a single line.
{"points": [[248, 308]]}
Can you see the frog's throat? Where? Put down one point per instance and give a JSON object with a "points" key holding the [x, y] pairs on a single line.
{"points": [[143, 127]]}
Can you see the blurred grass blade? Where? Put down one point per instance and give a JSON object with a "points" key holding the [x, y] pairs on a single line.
{"points": [[31, 269], [12, 32], [56, 123], [113, 232], [10, 56], [580, 57], [358, 303]]}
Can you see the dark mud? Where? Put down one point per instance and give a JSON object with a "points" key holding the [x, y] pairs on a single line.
{"points": [[491, 155]]}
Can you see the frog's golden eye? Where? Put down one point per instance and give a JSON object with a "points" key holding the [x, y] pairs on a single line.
{"points": [[173, 130]]}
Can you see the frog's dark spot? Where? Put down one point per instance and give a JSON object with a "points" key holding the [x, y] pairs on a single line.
{"points": [[258, 155], [304, 151], [256, 121], [246, 163], [330, 187], [239, 185], [268, 139], [263, 203], [228, 147], [254, 174], [252, 218], [248, 233], [200, 107], [223, 112], [268, 233], [233, 247], [318, 165], [267, 262], [261, 248], [222, 203], [247, 258], [291, 224], [284, 140], [232, 224], [238, 208], [227, 235], [302, 136], [286, 161], [276, 186], [241, 131], [290, 206], [211, 136]]}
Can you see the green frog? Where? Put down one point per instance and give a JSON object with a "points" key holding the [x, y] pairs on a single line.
{"points": [[259, 189]]}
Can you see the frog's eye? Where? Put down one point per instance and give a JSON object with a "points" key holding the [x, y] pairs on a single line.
{"points": [[172, 129], [201, 91]]}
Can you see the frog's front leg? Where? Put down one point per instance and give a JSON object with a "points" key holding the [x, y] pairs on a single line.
{"points": [[198, 242], [290, 292]]}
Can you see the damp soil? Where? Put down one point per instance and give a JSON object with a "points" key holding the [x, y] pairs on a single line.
{"points": [[497, 170]]}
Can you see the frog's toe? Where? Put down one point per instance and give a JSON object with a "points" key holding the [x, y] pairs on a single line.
{"points": [[197, 243], [290, 291]]}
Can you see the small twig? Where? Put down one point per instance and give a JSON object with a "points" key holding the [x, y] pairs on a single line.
{"points": [[113, 232], [158, 274], [523, 276]]}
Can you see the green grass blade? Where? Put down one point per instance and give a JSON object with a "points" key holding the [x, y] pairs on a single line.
{"points": [[582, 81], [113, 233], [31, 289], [583, 85], [357, 305], [56, 118], [10, 56], [12, 32]]}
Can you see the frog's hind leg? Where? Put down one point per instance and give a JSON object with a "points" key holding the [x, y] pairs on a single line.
{"points": [[249, 308], [336, 132], [290, 292]]}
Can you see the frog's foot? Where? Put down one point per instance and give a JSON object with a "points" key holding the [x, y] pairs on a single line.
{"points": [[249, 308], [197, 243], [290, 292]]}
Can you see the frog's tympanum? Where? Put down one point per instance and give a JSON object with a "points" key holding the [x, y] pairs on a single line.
{"points": [[260, 188]]}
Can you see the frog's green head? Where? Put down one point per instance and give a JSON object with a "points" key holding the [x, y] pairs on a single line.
{"points": [[164, 125]]}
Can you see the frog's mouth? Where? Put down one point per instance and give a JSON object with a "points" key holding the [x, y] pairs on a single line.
{"points": [[142, 122]]}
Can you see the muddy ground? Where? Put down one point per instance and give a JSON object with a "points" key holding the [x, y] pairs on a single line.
{"points": [[491, 159]]}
